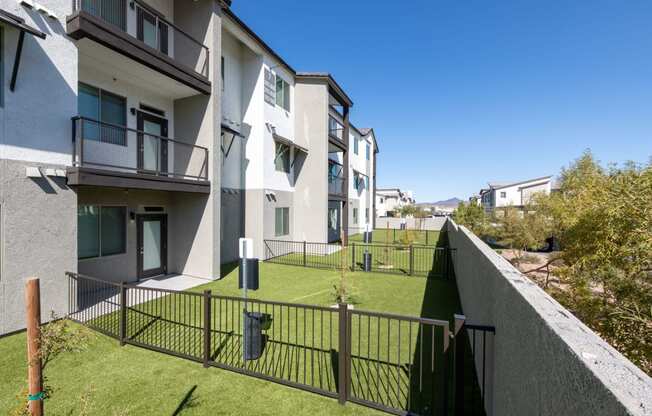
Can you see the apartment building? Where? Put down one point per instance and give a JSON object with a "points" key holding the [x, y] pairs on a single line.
{"points": [[142, 138], [513, 194], [390, 200], [361, 185]]}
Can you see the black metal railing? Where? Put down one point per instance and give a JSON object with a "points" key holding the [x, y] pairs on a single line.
{"points": [[336, 185], [473, 362], [413, 260], [395, 363], [110, 146], [401, 236], [165, 37]]}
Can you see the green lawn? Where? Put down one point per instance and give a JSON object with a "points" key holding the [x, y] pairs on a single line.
{"points": [[145, 382], [403, 237]]}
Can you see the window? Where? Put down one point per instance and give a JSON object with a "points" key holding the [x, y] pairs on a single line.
{"points": [[282, 159], [503, 194], [368, 152], [355, 146], [381, 200], [101, 231], [355, 215], [222, 71], [282, 223], [366, 215], [282, 93], [103, 106]]}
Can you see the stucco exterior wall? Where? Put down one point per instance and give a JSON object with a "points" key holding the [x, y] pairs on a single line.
{"points": [[38, 238], [311, 187], [546, 361]]}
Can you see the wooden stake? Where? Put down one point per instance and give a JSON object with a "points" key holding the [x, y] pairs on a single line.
{"points": [[33, 304]]}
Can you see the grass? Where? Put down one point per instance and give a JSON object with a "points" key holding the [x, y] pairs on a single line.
{"points": [[403, 237], [145, 382]]}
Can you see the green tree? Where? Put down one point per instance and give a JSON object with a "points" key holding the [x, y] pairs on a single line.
{"points": [[472, 216], [603, 220]]}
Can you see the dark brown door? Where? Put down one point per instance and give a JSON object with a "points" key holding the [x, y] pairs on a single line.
{"points": [[152, 245], [152, 146]]}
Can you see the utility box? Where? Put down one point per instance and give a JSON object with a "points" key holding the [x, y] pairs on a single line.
{"points": [[366, 261], [254, 340], [249, 270]]}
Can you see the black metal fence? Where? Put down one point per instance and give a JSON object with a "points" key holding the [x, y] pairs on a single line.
{"points": [[401, 236], [413, 260], [398, 364]]}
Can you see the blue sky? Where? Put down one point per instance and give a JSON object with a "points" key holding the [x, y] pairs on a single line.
{"points": [[461, 93]]}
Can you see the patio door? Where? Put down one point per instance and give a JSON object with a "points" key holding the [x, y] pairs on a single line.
{"points": [[334, 221], [152, 245], [151, 30], [152, 146]]}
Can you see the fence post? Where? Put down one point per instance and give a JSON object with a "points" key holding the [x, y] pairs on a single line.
{"points": [[342, 362], [459, 364], [123, 313], [352, 256], [34, 376], [305, 261], [207, 327], [394, 235], [426, 237], [411, 260]]}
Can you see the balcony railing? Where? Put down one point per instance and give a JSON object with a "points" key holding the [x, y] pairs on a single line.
{"points": [[118, 148], [335, 129], [336, 185], [151, 29]]}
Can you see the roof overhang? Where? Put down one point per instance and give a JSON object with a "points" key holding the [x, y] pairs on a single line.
{"points": [[288, 142], [333, 87], [18, 23]]}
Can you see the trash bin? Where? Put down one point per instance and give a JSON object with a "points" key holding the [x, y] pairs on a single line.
{"points": [[367, 237], [249, 268], [254, 340], [366, 259]]}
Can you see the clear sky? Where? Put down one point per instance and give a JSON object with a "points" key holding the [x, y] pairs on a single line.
{"points": [[460, 93]]}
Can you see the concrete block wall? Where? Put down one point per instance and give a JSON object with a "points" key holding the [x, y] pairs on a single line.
{"points": [[545, 360], [431, 224]]}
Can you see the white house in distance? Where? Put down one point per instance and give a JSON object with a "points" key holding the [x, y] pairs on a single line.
{"points": [[388, 200], [513, 194]]}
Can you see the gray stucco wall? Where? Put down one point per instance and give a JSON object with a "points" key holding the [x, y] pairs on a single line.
{"points": [[233, 218], [260, 221], [546, 361], [432, 224], [38, 238]]}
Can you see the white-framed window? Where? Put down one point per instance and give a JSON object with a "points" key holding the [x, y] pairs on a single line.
{"points": [[282, 93], [355, 215], [503, 194], [368, 152], [355, 145], [282, 158], [101, 231], [282, 221], [366, 215]]}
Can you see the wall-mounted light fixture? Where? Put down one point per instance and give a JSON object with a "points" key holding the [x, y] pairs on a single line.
{"points": [[132, 216]]}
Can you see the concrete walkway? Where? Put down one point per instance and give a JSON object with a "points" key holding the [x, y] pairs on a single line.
{"points": [[172, 282]]}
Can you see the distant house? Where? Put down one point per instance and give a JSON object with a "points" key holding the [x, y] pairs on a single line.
{"points": [[390, 200], [513, 194]]}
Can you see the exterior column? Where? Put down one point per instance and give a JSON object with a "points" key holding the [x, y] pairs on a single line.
{"points": [[345, 203]]}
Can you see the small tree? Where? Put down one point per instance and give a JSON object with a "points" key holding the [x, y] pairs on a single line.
{"points": [[57, 337], [472, 216]]}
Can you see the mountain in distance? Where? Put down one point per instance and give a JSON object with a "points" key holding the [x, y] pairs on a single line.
{"points": [[451, 202]]}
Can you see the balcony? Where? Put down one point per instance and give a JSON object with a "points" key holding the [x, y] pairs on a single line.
{"points": [[336, 133], [139, 32], [336, 185], [106, 154]]}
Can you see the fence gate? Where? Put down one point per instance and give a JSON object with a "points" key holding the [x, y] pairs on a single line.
{"points": [[397, 364]]}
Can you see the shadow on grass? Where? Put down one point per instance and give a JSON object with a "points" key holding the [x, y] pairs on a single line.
{"points": [[187, 402]]}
